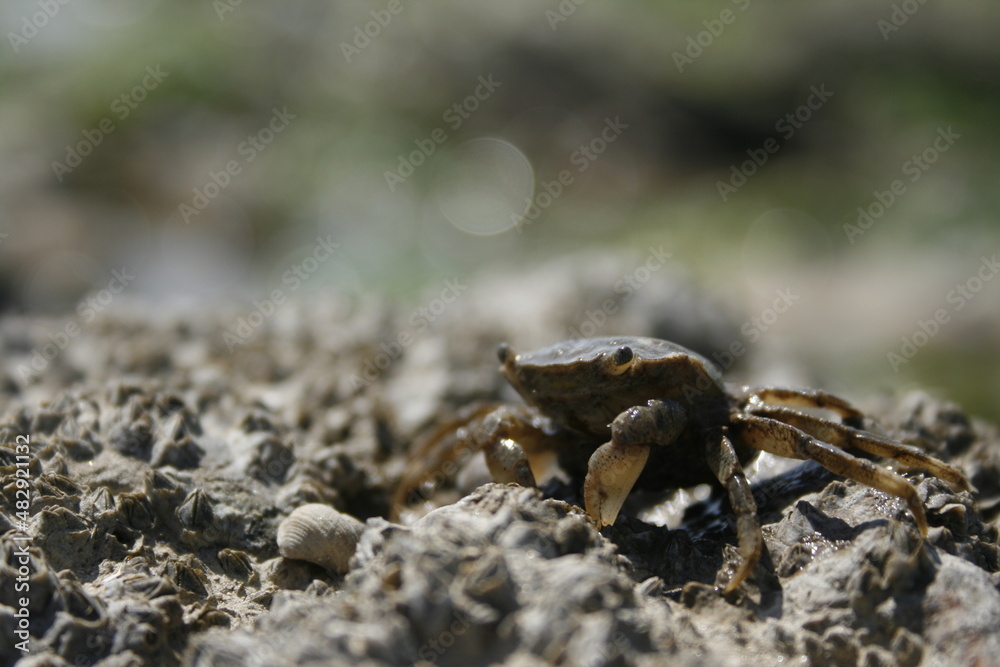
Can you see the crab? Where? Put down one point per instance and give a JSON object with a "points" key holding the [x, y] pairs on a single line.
{"points": [[629, 412]]}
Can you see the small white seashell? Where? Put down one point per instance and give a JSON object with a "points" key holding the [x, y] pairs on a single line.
{"points": [[320, 534]]}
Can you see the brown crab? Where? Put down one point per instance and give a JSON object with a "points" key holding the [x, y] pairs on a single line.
{"points": [[647, 413]]}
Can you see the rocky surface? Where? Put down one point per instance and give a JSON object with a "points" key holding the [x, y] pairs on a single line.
{"points": [[164, 454]]}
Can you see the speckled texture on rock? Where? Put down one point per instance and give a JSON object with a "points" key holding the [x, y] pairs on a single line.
{"points": [[469, 583], [162, 463]]}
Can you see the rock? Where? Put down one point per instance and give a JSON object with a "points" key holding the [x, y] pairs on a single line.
{"points": [[162, 463]]}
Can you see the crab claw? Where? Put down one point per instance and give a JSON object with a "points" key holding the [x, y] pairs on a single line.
{"points": [[611, 473], [508, 464]]}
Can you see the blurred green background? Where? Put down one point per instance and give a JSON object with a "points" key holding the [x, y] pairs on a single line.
{"points": [[206, 146]]}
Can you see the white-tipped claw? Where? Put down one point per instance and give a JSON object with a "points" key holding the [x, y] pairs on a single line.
{"points": [[611, 473]]}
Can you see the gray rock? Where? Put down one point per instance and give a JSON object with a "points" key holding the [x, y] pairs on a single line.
{"points": [[162, 464]]}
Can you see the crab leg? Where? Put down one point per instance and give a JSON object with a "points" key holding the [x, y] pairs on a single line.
{"points": [[436, 451], [726, 466], [844, 436], [812, 398], [503, 432], [770, 435], [519, 443], [615, 466]]}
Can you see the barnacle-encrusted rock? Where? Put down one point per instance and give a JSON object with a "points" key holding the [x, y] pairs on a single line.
{"points": [[46, 421], [321, 535], [133, 437], [196, 513], [135, 561], [270, 460], [135, 511], [188, 574], [236, 563], [500, 573], [183, 454]]}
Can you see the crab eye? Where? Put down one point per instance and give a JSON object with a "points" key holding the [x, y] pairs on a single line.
{"points": [[503, 351], [623, 355], [619, 361]]}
